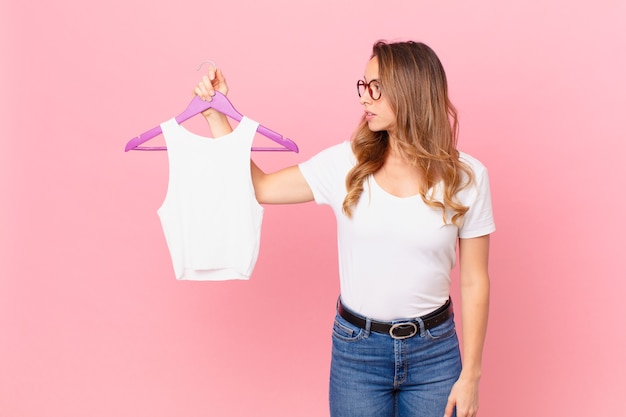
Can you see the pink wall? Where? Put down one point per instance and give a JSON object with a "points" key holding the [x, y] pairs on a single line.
{"points": [[92, 322]]}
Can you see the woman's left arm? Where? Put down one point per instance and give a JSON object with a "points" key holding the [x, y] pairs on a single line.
{"points": [[474, 275]]}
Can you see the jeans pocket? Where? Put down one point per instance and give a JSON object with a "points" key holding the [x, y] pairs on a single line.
{"points": [[346, 331], [443, 331]]}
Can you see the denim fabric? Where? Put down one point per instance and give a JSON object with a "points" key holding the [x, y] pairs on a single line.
{"points": [[373, 375]]}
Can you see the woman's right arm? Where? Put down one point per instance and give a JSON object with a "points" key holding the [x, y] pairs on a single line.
{"points": [[286, 186]]}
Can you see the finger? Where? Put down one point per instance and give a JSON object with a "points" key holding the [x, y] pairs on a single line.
{"points": [[208, 85], [449, 408], [464, 412], [202, 92]]}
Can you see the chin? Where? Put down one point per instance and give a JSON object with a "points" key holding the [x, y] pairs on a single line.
{"points": [[374, 128]]}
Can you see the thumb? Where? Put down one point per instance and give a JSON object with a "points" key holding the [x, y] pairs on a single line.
{"points": [[220, 75], [221, 82]]}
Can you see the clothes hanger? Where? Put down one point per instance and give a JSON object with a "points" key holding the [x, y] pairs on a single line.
{"points": [[197, 106]]}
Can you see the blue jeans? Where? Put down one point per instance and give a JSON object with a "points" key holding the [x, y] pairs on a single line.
{"points": [[374, 375]]}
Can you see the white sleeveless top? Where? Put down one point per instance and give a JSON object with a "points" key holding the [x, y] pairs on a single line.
{"points": [[210, 216]]}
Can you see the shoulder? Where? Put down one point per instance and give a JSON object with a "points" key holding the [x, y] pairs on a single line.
{"points": [[477, 167], [479, 185], [326, 172]]}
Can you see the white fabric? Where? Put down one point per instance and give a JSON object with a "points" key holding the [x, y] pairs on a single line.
{"points": [[395, 254], [210, 216]]}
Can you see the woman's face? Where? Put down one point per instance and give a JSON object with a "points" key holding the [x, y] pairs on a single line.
{"points": [[378, 113]]}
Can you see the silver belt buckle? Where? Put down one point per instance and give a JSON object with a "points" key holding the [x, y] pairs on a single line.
{"points": [[403, 326]]}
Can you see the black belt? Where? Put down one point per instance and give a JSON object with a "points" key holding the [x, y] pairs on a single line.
{"points": [[401, 330]]}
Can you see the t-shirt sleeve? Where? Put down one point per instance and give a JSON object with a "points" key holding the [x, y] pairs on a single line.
{"points": [[326, 173], [478, 221]]}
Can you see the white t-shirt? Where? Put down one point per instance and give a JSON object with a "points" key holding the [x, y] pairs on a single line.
{"points": [[210, 216], [395, 254]]}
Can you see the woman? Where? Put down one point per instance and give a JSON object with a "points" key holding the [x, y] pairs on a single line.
{"points": [[403, 196]]}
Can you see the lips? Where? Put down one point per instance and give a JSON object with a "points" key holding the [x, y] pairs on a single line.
{"points": [[369, 116]]}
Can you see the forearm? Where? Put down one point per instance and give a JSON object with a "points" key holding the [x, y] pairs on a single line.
{"points": [[474, 315], [218, 123]]}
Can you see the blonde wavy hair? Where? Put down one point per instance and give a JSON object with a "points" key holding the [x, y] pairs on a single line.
{"points": [[414, 83]]}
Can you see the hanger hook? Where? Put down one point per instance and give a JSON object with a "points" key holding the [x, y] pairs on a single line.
{"points": [[206, 62]]}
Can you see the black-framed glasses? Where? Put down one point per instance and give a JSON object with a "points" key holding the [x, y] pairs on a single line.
{"points": [[373, 88]]}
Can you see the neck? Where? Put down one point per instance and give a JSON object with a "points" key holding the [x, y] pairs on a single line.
{"points": [[394, 150]]}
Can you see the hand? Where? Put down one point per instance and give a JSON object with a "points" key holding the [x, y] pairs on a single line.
{"points": [[213, 81], [464, 396]]}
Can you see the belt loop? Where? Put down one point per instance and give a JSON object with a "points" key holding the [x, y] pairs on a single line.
{"points": [[368, 327], [420, 322]]}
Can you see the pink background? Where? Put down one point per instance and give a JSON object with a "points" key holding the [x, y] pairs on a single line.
{"points": [[92, 321]]}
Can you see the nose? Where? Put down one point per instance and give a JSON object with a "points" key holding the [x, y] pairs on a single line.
{"points": [[365, 97]]}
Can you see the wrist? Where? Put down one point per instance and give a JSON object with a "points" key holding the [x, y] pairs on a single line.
{"points": [[218, 123], [213, 115], [471, 374]]}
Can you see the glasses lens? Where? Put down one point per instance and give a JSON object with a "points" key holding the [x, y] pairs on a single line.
{"points": [[360, 87], [373, 88]]}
